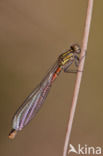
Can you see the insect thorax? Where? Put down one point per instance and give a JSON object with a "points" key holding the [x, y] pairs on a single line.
{"points": [[65, 57]]}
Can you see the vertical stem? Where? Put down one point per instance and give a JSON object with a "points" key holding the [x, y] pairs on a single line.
{"points": [[79, 74]]}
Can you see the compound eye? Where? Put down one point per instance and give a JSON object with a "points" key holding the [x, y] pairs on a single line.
{"points": [[76, 48]]}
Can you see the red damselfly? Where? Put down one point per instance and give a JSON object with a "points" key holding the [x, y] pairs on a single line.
{"points": [[35, 100]]}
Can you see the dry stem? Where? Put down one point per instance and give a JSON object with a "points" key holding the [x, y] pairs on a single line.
{"points": [[79, 74]]}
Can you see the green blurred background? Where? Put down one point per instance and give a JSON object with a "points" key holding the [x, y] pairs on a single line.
{"points": [[32, 35]]}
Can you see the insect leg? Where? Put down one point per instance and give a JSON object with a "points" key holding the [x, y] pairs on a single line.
{"points": [[66, 67], [76, 60], [68, 70]]}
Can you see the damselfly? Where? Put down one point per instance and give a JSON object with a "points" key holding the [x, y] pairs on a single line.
{"points": [[35, 100]]}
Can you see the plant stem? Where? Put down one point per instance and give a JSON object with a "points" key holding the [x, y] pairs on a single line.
{"points": [[79, 74]]}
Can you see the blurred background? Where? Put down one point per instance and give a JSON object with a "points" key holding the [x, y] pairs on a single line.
{"points": [[32, 35]]}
